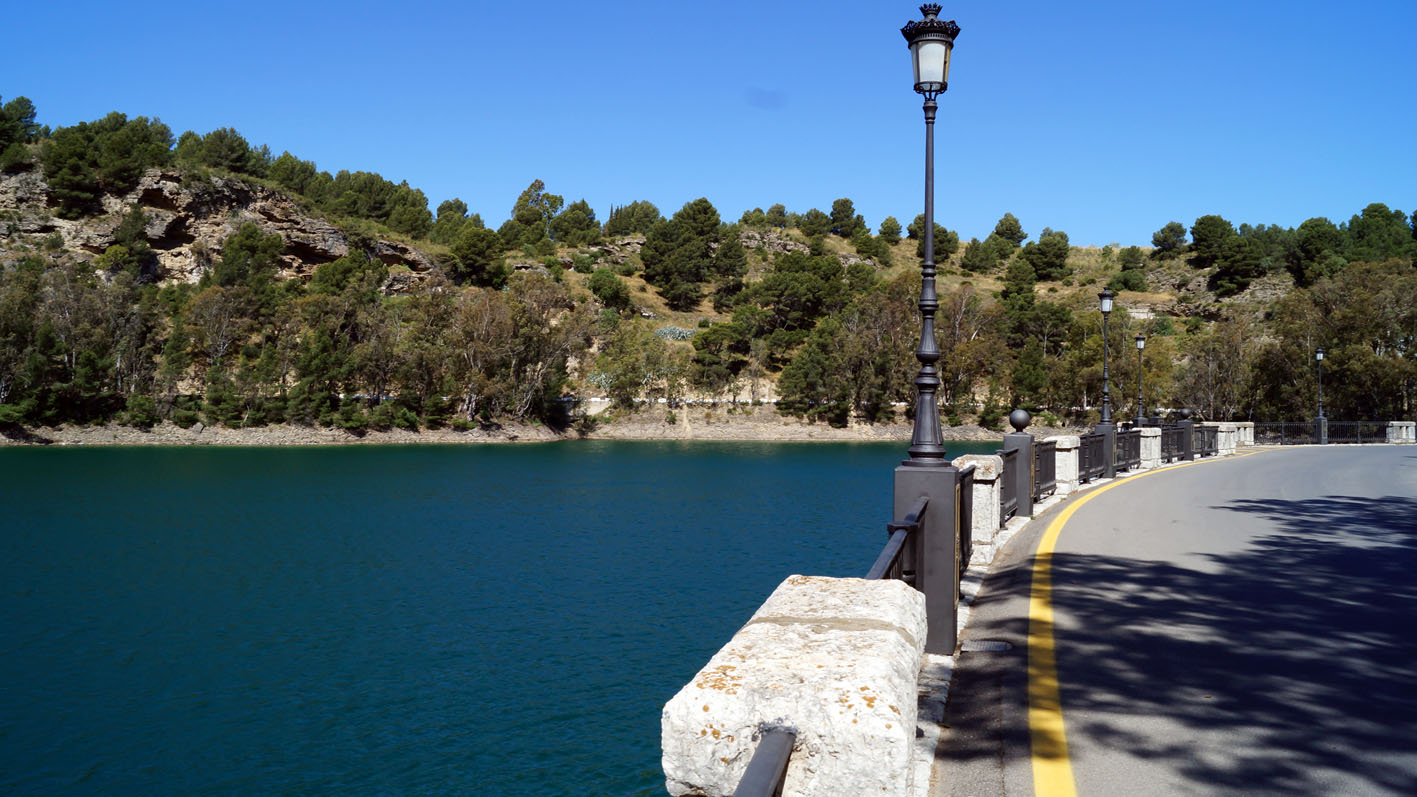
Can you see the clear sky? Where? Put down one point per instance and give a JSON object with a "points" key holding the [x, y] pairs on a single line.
{"points": [[1102, 119]]}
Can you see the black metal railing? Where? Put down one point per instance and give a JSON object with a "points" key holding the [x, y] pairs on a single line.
{"points": [[1207, 441], [889, 563], [768, 766], [1357, 431], [1092, 454], [1008, 482], [1045, 468], [1128, 451], [1286, 433], [1173, 441], [966, 515]]}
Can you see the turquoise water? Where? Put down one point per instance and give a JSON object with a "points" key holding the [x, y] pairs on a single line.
{"points": [[491, 620]]}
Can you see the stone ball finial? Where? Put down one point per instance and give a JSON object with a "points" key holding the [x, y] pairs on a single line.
{"points": [[1185, 414], [1019, 420]]}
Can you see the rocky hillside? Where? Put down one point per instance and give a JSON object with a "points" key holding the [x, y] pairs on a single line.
{"points": [[188, 221]]}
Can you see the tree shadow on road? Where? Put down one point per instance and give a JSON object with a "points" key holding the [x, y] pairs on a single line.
{"points": [[1291, 666]]}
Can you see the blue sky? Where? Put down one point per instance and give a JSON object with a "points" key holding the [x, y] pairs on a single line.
{"points": [[1102, 119]]}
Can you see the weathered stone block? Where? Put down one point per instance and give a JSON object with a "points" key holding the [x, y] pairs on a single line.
{"points": [[1402, 432], [837, 659], [1066, 462], [987, 469], [1150, 447]]}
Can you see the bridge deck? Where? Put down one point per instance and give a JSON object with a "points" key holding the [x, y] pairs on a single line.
{"points": [[1241, 625]]}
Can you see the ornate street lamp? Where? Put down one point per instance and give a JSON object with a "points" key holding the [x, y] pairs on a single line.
{"points": [[1141, 408], [1105, 298], [931, 41]]}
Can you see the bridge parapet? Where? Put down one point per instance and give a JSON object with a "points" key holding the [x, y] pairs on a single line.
{"points": [[837, 660], [1066, 462], [1150, 447], [1401, 432], [986, 516]]}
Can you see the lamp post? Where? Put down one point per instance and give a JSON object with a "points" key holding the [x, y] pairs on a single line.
{"points": [[1106, 427], [1141, 408], [1321, 421], [932, 552], [931, 41]]}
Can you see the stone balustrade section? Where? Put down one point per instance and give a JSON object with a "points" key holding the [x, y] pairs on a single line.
{"points": [[1247, 432], [1150, 447], [1066, 462], [837, 659], [1402, 432], [987, 492]]}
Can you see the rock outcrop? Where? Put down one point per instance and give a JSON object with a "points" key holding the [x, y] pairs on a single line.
{"points": [[190, 219]]}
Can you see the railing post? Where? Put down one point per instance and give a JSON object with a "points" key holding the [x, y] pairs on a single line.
{"points": [[1023, 463], [936, 547], [1322, 429], [1188, 436]]}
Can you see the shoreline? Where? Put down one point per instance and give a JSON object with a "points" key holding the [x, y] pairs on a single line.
{"points": [[741, 424]]}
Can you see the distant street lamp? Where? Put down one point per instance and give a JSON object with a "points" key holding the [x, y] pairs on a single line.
{"points": [[931, 40], [1319, 358], [1141, 408], [1105, 299], [1106, 427]]}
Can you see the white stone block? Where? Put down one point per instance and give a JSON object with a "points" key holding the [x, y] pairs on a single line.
{"points": [[1402, 432], [1065, 462], [987, 487], [836, 658], [1150, 447], [1247, 433]]}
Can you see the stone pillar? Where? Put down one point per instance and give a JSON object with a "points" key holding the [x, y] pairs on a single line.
{"points": [[987, 489], [1150, 447], [1227, 437], [1066, 462], [838, 660], [1321, 430], [1402, 432], [1247, 433]]}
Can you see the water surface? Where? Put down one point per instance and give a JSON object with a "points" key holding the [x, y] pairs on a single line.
{"points": [[478, 619]]}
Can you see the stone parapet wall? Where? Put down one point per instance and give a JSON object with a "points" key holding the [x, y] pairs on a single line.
{"points": [[1150, 447], [1402, 432], [987, 470], [838, 660], [1066, 462]]}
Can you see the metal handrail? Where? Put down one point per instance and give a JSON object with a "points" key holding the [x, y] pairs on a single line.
{"points": [[1091, 456], [768, 766], [1008, 494], [898, 530], [1045, 468], [966, 517]]}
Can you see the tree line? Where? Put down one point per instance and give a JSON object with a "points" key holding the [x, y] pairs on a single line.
{"points": [[833, 335]]}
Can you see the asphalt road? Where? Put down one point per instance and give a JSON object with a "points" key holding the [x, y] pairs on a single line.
{"points": [[1245, 625]]}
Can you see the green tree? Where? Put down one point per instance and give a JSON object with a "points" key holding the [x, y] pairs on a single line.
{"points": [[844, 221], [890, 231], [679, 254], [1378, 234], [776, 216], [476, 256], [1008, 229], [635, 218], [979, 257], [1208, 238], [1317, 252], [610, 290], [1048, 255], [288, 171], [815, 222], [946, 241], [1170, 240], [576, 225]]}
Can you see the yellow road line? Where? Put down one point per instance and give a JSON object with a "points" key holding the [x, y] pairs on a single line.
{"points": [[1052, 769]]}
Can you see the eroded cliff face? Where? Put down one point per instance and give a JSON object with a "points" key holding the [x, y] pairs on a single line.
{"points": [[188, 221]]}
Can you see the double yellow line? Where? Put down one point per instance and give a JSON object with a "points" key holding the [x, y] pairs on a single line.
{"points": [[1052, 769]]}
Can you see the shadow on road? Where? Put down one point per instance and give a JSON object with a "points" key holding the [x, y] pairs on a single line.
{"points": [[1291, 669]]}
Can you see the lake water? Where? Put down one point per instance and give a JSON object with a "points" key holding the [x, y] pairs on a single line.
{"points": [[481, 619]]}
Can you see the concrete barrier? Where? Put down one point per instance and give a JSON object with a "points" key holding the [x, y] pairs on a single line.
{"points": [[837, 659]]}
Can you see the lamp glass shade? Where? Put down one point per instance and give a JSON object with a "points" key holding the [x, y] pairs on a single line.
{"points": [[1319, 355], [931, 59], [1141, 342], [1106, 299]]}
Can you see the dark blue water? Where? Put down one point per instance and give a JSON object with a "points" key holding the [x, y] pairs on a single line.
{"points": [[494, 620]]}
